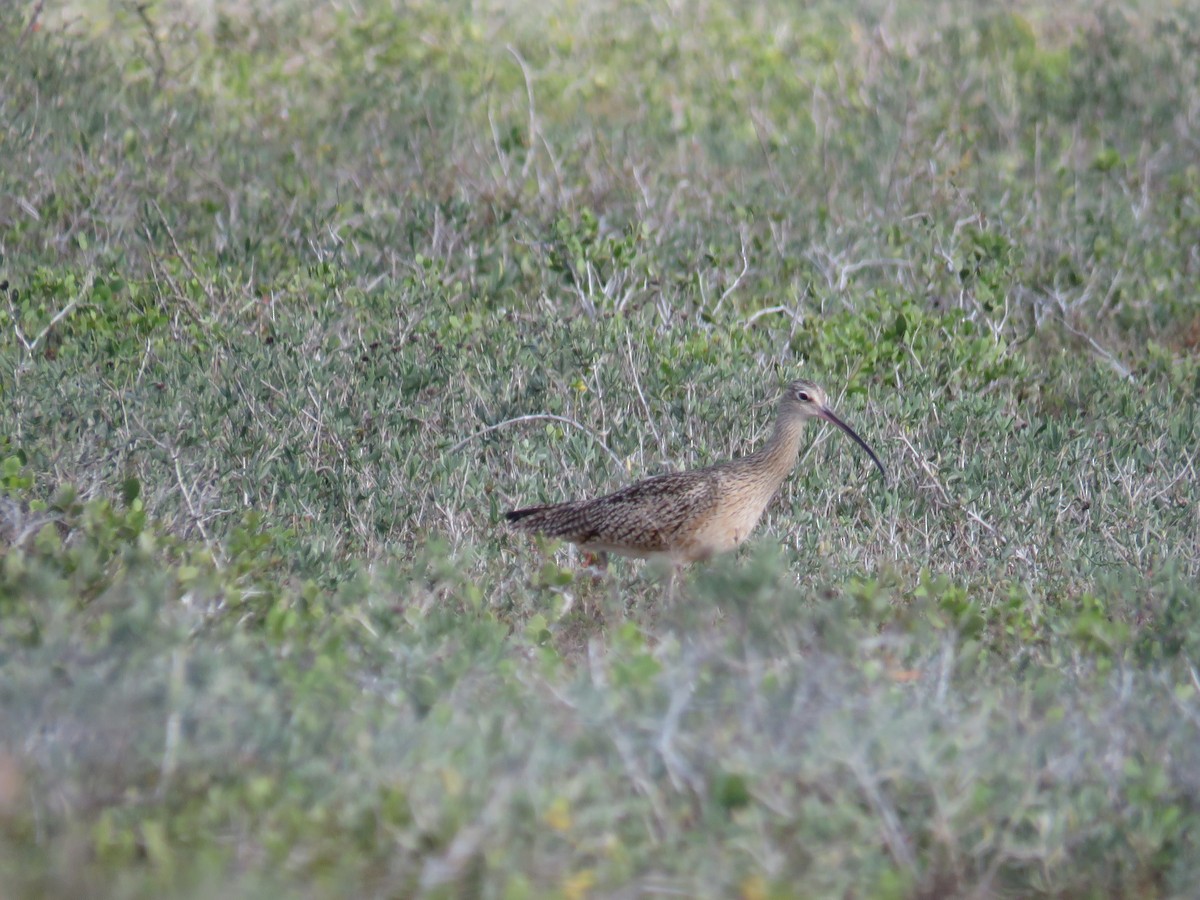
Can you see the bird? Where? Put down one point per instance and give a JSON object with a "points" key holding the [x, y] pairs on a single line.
{"points": [[694, 515]]}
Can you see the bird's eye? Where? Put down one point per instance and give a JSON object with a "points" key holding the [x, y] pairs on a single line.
{"points": [[803, 397]]}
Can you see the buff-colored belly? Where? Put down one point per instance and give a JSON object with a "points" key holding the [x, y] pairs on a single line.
{"points": [[730, 525]]}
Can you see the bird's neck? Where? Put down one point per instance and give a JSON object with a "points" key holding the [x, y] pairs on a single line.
{"points": [[777, 457]]}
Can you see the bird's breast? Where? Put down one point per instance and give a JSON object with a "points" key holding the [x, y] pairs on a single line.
{"points": [[733, 521]]}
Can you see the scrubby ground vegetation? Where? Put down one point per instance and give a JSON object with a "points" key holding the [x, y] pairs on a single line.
{"points": [[279, 280]]}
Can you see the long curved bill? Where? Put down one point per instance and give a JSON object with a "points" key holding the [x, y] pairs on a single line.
{"points": [[827, 414]]}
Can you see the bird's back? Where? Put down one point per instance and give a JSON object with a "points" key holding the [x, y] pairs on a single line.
{"points": [[654, 516]]}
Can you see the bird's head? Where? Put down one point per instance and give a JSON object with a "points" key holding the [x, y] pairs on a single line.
{"points": [[803, 399]]}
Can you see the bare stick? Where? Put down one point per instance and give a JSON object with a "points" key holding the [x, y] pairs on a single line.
{"points": [[742, 274], [645, 406], [540, 417]]}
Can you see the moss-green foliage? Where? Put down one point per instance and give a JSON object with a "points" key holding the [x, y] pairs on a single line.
{"points": [[297, 300]]}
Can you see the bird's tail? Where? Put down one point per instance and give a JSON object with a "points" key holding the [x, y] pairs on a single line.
{"points": [[516, 515], [554, 519]]}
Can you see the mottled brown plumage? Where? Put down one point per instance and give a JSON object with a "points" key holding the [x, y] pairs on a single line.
{"points": [[689, 516]]}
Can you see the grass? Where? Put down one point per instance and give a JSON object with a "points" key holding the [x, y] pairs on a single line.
{"points": [[298, 300]]}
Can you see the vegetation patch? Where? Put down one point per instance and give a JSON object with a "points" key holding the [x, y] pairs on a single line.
{"points": [[297, 301]]}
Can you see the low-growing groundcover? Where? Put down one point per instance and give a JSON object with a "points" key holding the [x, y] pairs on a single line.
{"points": [[298, 300]]}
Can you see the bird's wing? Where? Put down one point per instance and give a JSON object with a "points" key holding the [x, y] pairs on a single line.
{"points": [[649, 515]]}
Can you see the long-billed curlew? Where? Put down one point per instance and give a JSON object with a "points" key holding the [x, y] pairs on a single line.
{"points": [[689, 516]]}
